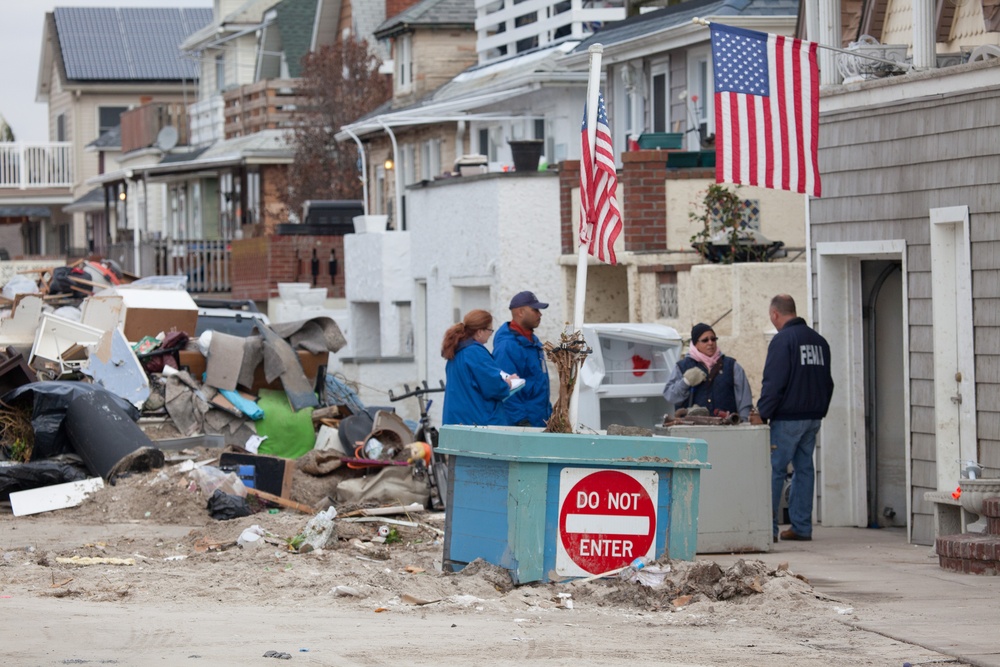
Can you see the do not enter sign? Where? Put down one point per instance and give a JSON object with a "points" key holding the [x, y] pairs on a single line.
{"points": [[607, 519]]}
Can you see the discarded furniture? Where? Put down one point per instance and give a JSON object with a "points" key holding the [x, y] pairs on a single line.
{"points": [[571, 504], [14, 371], [63, 342]]}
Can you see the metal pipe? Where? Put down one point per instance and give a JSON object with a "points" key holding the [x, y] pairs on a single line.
{"points": [[364, 168], [397, 214]]}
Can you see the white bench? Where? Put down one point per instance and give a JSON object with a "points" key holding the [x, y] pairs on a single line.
{"points": [[950, 518]]}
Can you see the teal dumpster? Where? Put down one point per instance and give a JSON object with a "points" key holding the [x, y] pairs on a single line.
{"points": [[554, 505]]}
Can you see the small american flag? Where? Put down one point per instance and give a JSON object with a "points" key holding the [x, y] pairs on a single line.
{"points": [[766, 110], [600, 217]]}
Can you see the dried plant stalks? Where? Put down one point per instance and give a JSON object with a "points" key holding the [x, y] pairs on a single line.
{"points": [[16, 433], [568, 356]]}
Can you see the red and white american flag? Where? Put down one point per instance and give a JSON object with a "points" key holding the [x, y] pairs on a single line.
{"points": [[600, 217], [766, 110]]}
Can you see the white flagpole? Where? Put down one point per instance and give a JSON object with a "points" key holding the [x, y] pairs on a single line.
{"points": [[593, 90]]}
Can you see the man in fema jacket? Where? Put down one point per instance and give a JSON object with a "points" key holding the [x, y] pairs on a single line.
{"points": [[795, 395], [517, 350]]}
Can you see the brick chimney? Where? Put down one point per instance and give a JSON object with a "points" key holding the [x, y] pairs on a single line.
{"points": [[393, 7]]}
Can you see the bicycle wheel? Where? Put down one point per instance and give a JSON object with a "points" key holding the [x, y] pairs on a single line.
{"points": [[439, 473]]}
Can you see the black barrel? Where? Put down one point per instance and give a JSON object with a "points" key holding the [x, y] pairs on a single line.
{"points": [[101, 432]]}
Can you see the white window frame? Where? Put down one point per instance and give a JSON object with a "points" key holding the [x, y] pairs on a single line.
{"points": [[408, 158], [100, 108], [430, 159], [659, 69], [379, 203], [625, 109], [403, 58], [220, 72], [700, 83]]}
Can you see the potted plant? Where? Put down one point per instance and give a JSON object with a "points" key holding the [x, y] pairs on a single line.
{"points": [[725, 236]]}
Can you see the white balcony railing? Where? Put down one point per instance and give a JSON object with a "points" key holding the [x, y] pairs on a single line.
{"points": [[41, 165]]}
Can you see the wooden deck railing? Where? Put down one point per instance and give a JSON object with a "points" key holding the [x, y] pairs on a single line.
{"points": [[265, 105]]}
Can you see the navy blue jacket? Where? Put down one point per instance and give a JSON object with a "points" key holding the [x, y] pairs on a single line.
{"points": [[474, 390], [719, 394], [514, 353], [797, 383]]}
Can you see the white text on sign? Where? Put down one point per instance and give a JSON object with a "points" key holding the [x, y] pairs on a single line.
{"points": [[616, 501], [613, 548]]}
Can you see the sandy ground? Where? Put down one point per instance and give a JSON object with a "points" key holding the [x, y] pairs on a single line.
{"points": [[169, 585]]}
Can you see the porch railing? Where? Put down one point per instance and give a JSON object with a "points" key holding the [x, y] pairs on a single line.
{"points": [[265, 105], [36, 165], [206, 263], [140, 127]]}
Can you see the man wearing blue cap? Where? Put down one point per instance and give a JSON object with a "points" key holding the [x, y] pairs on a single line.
{"points": [[517, 350]]}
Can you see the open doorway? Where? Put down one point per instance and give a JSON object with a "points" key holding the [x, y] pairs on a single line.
{"points": [[884, 412], [863, 454]]}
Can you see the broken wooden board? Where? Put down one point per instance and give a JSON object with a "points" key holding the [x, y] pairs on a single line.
{"points": [[278, 500]]}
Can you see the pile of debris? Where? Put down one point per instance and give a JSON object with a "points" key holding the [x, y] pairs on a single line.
{"points": [[95, 361]]}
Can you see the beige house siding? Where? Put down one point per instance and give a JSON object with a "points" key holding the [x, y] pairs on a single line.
{"points": [[450, 52], [883, 170]]}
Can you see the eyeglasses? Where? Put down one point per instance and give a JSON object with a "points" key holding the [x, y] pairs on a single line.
{"points": [[708, 340], [488, 330]]}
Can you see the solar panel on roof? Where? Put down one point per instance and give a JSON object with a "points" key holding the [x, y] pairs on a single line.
{"points": [[128, 43]]}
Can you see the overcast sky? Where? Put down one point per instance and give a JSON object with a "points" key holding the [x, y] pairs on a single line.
{"points": [[20, 51]]}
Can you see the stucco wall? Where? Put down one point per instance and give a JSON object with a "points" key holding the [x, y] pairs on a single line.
{"points": [[497, 233], [381, 280], [782, 214], [735, 299]]}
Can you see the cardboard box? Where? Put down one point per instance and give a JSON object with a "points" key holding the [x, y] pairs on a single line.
{"points": [[148, 312], [312, 364]]}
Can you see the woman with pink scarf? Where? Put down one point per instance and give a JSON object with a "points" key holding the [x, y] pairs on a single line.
{"points": [[709, 379]]}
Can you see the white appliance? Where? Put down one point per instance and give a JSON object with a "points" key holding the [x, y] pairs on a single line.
{"points": [[622, 380]]}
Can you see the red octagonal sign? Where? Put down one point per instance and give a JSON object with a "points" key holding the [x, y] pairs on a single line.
{"points": [[607, 519]]}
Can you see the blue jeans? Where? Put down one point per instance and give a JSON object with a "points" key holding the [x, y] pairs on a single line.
{"points": [[793, 442]]}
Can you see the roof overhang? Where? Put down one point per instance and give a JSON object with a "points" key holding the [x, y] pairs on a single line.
{"points": [[439, 112], [678, 36], [462, 98]]}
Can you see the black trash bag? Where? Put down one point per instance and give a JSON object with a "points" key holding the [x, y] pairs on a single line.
{"points": [[61, 283], [51, 400], [36, 474], [223, 506]]}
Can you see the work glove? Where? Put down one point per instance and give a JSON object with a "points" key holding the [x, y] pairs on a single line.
{"points": [[694, 376]]}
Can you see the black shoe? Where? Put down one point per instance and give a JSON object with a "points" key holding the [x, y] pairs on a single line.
{"points": [[791, 536]]}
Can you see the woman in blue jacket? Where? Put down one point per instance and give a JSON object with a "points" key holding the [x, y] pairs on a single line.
{"points": [[475, 387]]}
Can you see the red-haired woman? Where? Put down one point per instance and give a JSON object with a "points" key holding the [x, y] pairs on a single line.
{"points": [[475, 386]]}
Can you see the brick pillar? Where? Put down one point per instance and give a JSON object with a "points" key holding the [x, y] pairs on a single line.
{"points": [[259, 264], [569, 178], [642, 193]]}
